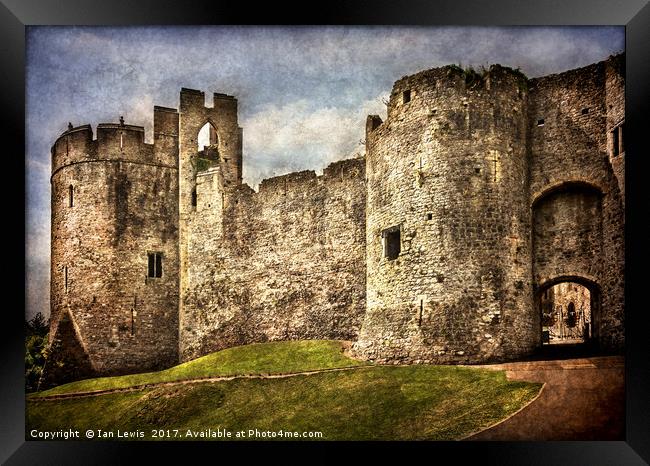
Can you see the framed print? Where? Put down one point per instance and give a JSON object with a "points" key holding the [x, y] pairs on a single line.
{"points": [[412, 225]]}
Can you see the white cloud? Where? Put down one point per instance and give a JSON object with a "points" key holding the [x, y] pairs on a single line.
{"points": [[298, 136], [140, 113]]}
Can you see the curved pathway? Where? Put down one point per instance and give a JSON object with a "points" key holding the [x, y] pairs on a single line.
{"points": [[582, 399], [134, 388]]}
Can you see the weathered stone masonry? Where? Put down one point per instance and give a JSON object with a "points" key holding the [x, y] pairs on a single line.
{"points": [[287, 262], [113, 202], [478, 193], [449, 168]]}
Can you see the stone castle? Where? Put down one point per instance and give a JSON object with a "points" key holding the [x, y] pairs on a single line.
{"points": [[478, 193]]}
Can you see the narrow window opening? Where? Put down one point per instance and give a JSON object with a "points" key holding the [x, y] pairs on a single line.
{"points": [[406, 96], [540, 122], [154, 265], [421, 308], [615, 142], [621, 138], [392, 243], [194, 198], [71, 196], [132, 321], [121, 140], [158, 266], [65, 277]]}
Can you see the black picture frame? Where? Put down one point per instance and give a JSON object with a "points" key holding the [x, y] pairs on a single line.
{"points": [[15, 15]]}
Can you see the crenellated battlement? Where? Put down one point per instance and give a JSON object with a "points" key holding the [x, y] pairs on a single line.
{"points": [[193, 99], [114, 142], [299, 181], [210, 185]]}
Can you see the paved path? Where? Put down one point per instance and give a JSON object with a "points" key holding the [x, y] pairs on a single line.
{"points": [[582, 399], [134, 388]]}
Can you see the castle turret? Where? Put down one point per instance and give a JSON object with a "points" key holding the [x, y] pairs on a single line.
{"points": [[447, 232], [114, 276], [223, 153]]}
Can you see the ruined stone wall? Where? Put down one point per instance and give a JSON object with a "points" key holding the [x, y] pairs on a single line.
{"points": [[615, 107], [449, 168], [285, 263], [124, 205], [570, 154]]}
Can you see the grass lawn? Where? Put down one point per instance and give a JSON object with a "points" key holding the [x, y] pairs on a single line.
{"points": [[260, 358], [367, 403]]}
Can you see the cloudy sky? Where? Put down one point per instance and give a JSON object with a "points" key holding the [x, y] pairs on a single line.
{"points": [[304, 92]]}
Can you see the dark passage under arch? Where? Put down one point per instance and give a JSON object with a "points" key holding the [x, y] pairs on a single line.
{"points": [[566, 312]]}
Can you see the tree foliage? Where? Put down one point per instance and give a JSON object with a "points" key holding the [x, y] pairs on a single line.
{"points": [[36, 336]]}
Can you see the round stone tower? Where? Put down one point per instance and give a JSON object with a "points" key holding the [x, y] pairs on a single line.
{"points": [[448, 223], [114, 276]]}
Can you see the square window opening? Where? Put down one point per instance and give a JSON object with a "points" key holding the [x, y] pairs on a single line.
{"points": [[540, 122]]}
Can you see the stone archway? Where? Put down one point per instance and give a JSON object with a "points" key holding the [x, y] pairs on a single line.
{"points": [[569, 309], [568, 252]]}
